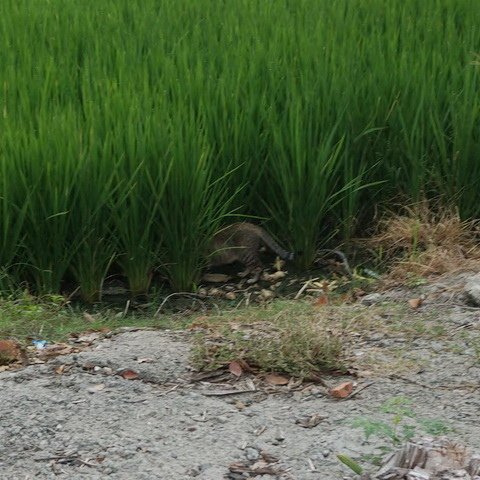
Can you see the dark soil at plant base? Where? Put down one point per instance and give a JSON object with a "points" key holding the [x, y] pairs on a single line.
{"points": [[85, 421], [230, 289]]}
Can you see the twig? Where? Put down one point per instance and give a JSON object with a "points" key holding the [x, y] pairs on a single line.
{"points": [[304, 287], [228, 392], [394, 376], [127, 305], [358, 390], [168, 391], [168, 297]]}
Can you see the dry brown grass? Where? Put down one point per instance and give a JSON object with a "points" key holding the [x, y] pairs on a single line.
{"points": [[292, 341], [426, 241], [302, 338]]}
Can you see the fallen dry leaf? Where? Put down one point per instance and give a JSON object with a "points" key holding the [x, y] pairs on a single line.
{"points": [[230, 296], [321, 301], [266, 294], [60, 369], [311, 421], [275, 379], [240, 405], [235, 368], [341, 391], [55, 350], [216, 277], [11, 351], [415, 302], [129, 374], [273, 277], [268, 457], [260, 467]]}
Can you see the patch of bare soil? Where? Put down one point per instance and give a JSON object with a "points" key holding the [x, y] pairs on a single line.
{"points": [[129, 406]]}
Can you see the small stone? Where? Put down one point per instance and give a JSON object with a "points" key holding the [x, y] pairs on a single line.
{"points": [[472, 290], [193, 472], [252, 453], [371, 299]]}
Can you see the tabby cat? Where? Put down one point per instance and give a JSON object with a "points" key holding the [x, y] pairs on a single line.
{"points": [[241, 242]]}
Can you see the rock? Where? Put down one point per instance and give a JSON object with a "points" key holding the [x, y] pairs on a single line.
{"points": [[472, 290], [371, 299], [252, 453]]}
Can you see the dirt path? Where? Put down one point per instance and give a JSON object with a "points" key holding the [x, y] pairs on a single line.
{"points": [[87, 422]]}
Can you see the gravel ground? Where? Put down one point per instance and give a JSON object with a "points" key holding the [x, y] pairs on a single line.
{"points": [[87, 422]]}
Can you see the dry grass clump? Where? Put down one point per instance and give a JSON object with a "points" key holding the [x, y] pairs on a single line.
{"points": [[426, 241], [293, 341]]}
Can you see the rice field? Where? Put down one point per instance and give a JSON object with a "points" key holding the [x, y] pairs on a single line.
{"points": [[131, 130]]}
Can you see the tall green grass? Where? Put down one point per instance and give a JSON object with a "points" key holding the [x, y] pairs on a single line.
{"points": [[132, 130]]}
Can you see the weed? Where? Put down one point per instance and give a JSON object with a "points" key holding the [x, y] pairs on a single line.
{"points": [[289, 342], [400, 428]]}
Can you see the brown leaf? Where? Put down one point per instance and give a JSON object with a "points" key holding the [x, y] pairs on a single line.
{"points": [[11, 351], [415, 302], [273, 277], [55, 350], [60, 369], [240, 405], [216, 277], [129, 374], [341, 391], [268, 457], [235, 368], [310, 422], [321, 301], [266, 294], [260, 467], [275, 379]]}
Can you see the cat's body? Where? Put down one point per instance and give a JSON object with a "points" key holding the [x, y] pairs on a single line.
{"points": [[241, 242]]}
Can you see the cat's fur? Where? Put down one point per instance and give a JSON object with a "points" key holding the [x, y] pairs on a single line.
{"points": [[241, 242]]}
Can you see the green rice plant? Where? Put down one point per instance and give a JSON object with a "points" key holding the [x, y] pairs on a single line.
{"points": [[14, 202], [136, 218], [50, 185], [193, 206], [91, 240], [302, 185], [132, 130], [457, 145]]}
